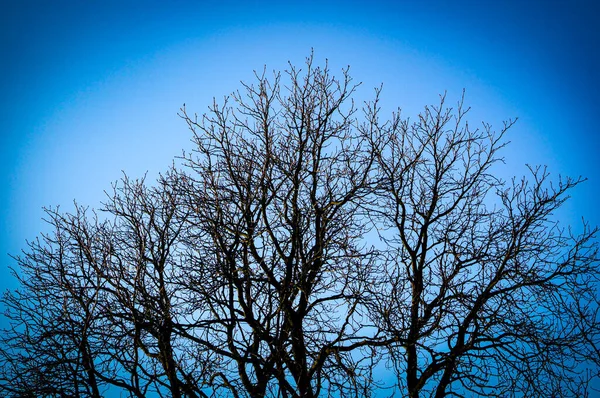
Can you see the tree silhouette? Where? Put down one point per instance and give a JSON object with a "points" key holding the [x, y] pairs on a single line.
{"points": [[301, 247]]}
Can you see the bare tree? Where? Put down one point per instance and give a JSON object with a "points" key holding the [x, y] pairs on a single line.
{"points": [[50, 349], [482, 287], [303, 246], [278, 188]]}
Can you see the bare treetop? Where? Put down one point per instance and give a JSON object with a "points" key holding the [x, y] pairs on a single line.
{"points": [[310, 247]]}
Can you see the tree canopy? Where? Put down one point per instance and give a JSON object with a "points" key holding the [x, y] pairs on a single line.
{"points": [[309, 247]]}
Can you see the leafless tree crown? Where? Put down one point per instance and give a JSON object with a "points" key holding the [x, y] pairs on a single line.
{"points": [[309, 247]]}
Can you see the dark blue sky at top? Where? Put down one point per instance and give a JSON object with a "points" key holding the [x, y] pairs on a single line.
{"points": [[88, 89]]}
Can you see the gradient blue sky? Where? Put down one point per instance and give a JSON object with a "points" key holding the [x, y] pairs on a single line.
{"points": [[90, 88]]}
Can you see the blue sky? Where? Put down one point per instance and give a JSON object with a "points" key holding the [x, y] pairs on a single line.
{"points": [[88, 89]]}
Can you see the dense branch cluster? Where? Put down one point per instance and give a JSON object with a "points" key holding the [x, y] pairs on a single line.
{"points": [[307, 248]]}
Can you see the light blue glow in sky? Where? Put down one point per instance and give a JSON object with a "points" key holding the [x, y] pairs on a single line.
{"points": [[88, 90]]}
